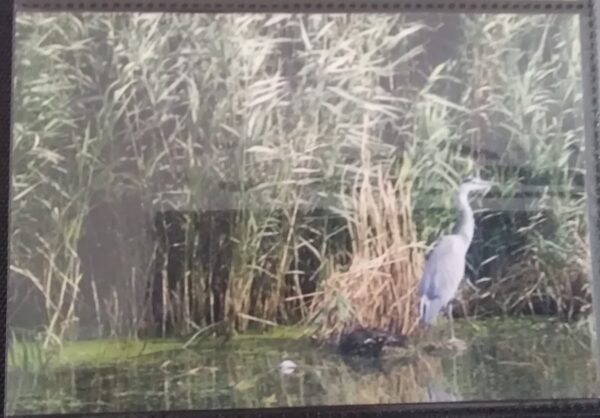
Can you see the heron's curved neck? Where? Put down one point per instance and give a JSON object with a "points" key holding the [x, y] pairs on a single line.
{"points": [[466, 225]]}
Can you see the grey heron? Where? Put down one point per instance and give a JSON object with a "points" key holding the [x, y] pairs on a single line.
{"points": [[445, 263]]}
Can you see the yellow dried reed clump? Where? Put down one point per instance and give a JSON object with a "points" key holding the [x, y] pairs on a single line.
{"points": [[378, 289]]}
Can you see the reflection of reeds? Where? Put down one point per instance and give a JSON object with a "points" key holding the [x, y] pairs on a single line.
{"points": [[209, 380], [405, 383], [504, 361], [378, 288]]}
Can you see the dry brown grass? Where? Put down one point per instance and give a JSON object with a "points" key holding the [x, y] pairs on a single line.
{"points": [[378, 288]]}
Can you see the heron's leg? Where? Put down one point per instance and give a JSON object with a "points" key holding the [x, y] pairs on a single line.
{"points": [[451, 321]]}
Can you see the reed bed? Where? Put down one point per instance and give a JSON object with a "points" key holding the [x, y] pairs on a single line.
{"points": [[194, 174], [378, 289]]}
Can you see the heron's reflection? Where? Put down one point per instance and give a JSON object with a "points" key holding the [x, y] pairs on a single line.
{"points": [[437, 393]]}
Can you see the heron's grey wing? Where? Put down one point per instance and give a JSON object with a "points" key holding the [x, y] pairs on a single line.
{"points": [[428, 269], [443, 270]]}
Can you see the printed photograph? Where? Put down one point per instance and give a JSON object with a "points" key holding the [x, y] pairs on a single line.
{"points": [[224, 211]]}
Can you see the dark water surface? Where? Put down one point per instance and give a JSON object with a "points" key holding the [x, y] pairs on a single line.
{"points": [[503, 361]]}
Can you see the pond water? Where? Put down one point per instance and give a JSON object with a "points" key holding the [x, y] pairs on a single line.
{"points": [[502, 361]]}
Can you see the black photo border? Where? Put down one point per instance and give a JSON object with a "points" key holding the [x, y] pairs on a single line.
{"points": [[589, 13]]}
